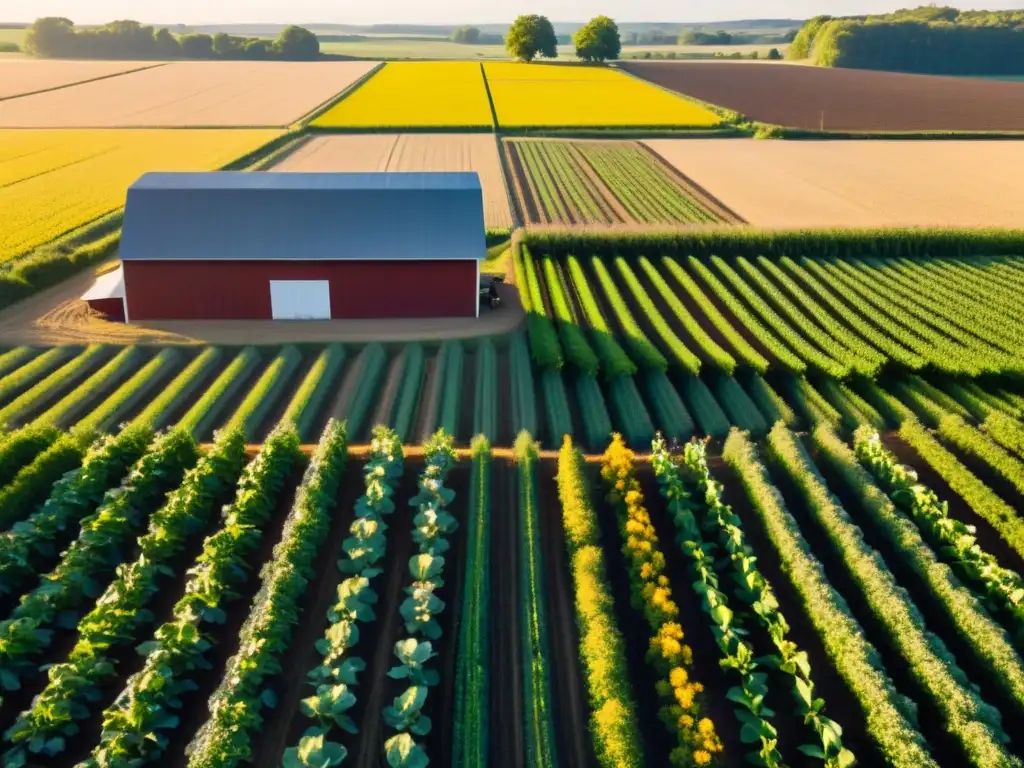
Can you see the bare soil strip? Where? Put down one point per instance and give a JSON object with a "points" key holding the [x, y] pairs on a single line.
{"points": [[526, 191], [821, 98]]}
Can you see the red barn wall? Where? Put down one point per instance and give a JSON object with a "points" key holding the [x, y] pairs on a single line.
{"points": [[240, 290], [112, 308]]}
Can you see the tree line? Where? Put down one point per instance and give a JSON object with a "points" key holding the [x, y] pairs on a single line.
{"points": [[929, 40], [59, 38], [534, 36]]}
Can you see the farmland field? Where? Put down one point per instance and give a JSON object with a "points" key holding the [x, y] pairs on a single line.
{"points": [[377, 581], [603, 182], [54, 181], [22, 76], [411, 152], [415, 95], [548, 95], [190, 94], [818, 98], [857, 183]]}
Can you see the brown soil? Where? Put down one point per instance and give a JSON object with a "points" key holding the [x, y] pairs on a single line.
{"points": [[844, 99], [506, 705], [58, 316], [431, 392], [384, 412], [526, 192]]}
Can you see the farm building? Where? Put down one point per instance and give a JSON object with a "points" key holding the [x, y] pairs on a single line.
{"points": [[247, 246]]}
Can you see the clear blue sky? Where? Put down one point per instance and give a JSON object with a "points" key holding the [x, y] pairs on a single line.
{"points": [[446, 12]]}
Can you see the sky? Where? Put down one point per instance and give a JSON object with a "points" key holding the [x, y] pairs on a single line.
{"points": [[446, 12]]}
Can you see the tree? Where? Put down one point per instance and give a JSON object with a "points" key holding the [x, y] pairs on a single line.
{"points": [[297, 44], [774, 55], [51, 36], [197, 46], [167, 45], [532, 36], [599, 40], [226, 46], [467, 35]]}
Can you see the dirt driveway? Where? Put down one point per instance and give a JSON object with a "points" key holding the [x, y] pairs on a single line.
{"points": [[58, 316]]}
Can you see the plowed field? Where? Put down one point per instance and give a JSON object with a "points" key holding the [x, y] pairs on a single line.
{"points": [[857, 183], [844, 99], [190, 94], [411, 152], [22, 76]]}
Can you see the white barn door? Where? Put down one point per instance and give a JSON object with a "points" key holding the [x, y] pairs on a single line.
{"points": [[300, 299]]}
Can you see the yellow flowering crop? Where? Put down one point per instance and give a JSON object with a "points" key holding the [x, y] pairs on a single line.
{"points": [[448, 94], [52, 182], [550, 95]]}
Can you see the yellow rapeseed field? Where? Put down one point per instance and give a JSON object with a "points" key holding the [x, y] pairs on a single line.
{"points": [[52, 182], [416, 94], [550, 95]]}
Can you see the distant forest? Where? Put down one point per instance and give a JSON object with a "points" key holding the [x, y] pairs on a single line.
{"points": [[929, 39], [59, 38]]}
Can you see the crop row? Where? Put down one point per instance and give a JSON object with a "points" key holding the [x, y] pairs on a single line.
{"points": [[334, 678]]}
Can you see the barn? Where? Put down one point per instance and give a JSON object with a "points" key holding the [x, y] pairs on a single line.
{"points": [[302, 246]]}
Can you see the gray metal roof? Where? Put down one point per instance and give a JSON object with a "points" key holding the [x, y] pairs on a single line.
{"points": [[300, 216]]}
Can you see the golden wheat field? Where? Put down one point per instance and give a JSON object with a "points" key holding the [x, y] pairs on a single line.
{"points": [[442, 94], [411, 152], [192, 94], [54, 181], [857, 183], [21, 76], [552, 95]]}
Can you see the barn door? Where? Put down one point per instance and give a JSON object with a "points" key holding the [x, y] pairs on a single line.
{"points": [[300, 299]]}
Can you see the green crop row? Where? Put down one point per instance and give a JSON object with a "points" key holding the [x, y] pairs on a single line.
{"points": [[891, 718], [870, 328], [471, 721], [540, 727], [544, 346], [827, 357], [853, 410], [978, 444], [1006, 431], [93, 554], [15, 358], [363, 552], [996, 512], [975, 725], [138, 727], [263, 395], [29, 549], [65, 412], [643, 352], [741, 410], [597, 424], [129, 394], [976, 629], [602, 650], [612, 356], [767, 400], [556, 402], [682, 705], [309, 398], [574, 341], [485, 405], [524, 401], [374, 361], [954, 541], [205, 412], [736, 653], [630, 412], [409, 391], [813, 408], [680, 353], [15, 382], [20, 448], [451, 392], [122, 610], [33, 482], [775, 347], [225, 740], [38, 395], [718, 356], [753, 589], [182, 387]]}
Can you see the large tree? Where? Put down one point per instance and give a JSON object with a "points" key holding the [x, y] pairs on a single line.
{"points": [[530, 37], [599, 40], [52, 36], [297, 44]]}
